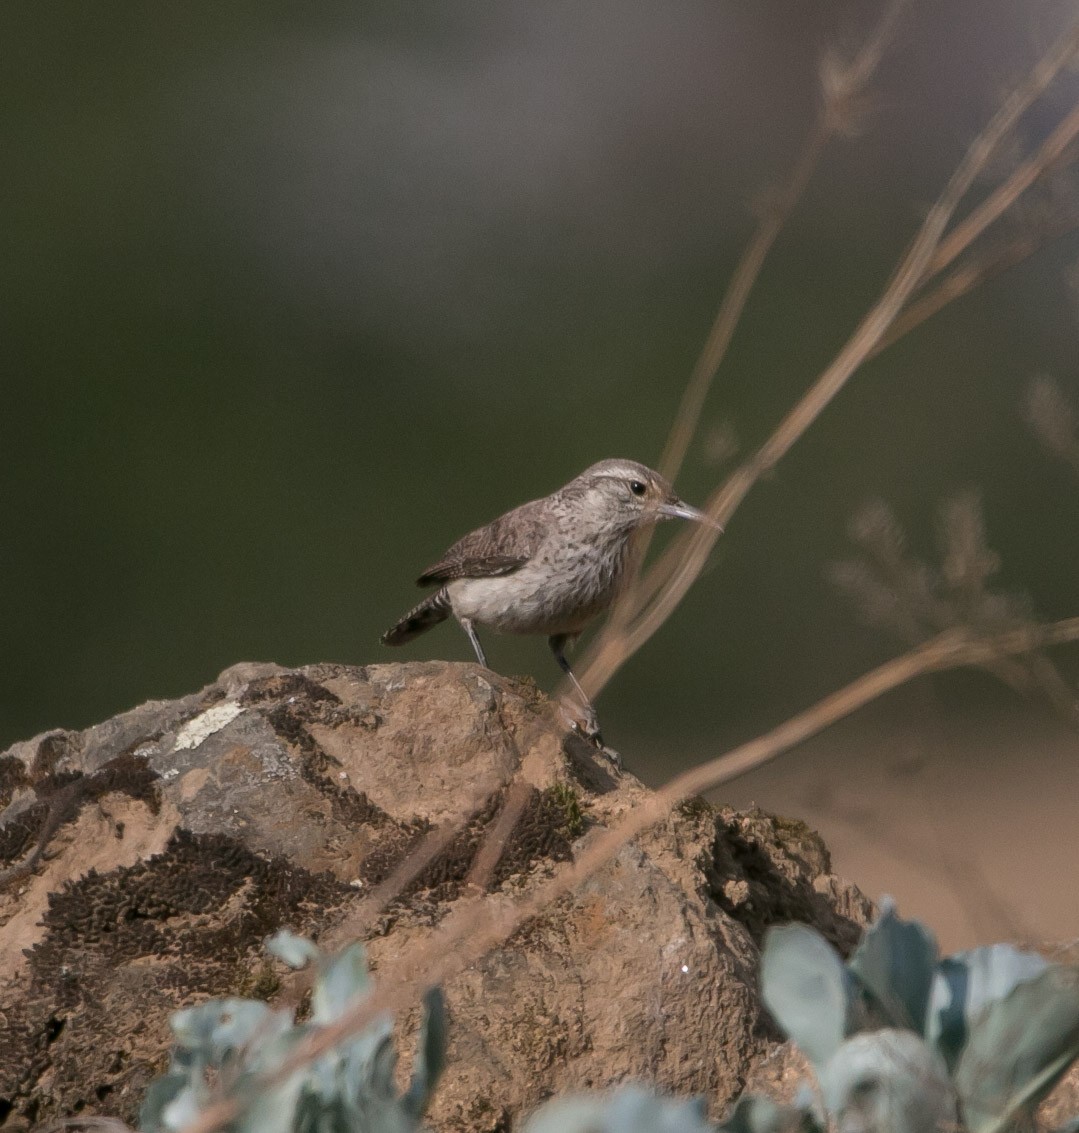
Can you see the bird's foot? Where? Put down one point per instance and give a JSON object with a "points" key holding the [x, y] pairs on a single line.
{"points": [[582, 719], [609, 754], [585, 724]]}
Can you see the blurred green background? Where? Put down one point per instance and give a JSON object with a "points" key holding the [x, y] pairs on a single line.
{"points": [[294, 295]]}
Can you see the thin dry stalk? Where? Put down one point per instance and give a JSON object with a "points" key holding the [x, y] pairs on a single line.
{"points": [[1002, 199], [745, 276], [677, 569], [975, 272], [841, 88], [964, 279], [1052, 418], [436, 842], [87, 1125], [483, 866], [488, 924]]}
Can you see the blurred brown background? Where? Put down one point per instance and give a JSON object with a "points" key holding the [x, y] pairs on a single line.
{"points": [[292, 297]]}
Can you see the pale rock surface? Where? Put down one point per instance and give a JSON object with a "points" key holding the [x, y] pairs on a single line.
{"points": [[143, 862]]}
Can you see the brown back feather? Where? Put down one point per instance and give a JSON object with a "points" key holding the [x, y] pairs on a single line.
{"points": [[499, 548]]}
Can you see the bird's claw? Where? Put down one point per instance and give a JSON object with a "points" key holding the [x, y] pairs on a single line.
{"points": [[586, 725]]}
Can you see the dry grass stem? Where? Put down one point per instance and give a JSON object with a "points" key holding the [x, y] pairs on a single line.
{"points": [[1053, 419], [841, 88], [894, 591], [487, 857], [745, 276], [964, 279], [672, 575], [435, 843], [1002, 199], [975, 272]]}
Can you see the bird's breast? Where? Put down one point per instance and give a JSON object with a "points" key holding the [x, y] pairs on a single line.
{"points": [[566, 584]]}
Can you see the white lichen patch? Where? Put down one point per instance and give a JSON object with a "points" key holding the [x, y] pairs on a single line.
{"points": [[203, 726]]}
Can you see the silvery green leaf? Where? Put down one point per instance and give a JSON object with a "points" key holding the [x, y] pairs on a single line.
{"points": [[383, 1115], [1071, 1127], [275, 1042], [642, 1112], [966, 983], [363, 1059], [332, 1115], [162, 1092], [895, 962], [806, 988], [566, 1115], [340, 979], [296, 951], [349, 1089], [326, 1078], [430, 1055], [756, 1114], [628, 1110], [182, 1110], [378, 1068], [217, 1028], [1017, 1049], [192, 1026], [888, 1081], [268, 1109]]}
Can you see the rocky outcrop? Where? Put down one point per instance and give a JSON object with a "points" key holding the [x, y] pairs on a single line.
{"points": [[143, 862]]}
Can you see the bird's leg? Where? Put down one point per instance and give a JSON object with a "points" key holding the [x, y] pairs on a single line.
{"points": [[466, 625], [558, 644]]}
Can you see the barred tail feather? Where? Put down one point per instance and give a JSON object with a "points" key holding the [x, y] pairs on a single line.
{"points": [[432, 610]]}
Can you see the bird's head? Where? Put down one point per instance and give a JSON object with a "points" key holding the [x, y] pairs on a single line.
{"points": [[627, 495]]}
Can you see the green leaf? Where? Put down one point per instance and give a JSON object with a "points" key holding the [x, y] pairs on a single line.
{"points": [[182, 1110], [214, 1030], [296, 951], [340, 980], [628, 1110], [430, 1055], [272, 1110], [806, 988], [966, 983], [896, 962], [161, 1093], [756, 1114], [1017, 1050], [888, 1081], [349, 1089], [365, 1063]]}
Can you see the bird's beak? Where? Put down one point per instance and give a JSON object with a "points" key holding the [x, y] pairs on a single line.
{"points": [[678, 509]]}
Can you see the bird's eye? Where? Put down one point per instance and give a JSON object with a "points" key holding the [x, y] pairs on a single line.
{"points": [[636, 487]]}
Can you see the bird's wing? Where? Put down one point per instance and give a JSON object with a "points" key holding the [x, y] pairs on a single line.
{"points": [[499, 548]]}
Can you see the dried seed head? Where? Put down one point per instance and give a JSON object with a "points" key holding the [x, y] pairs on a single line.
{"points": [[1051, 416]]}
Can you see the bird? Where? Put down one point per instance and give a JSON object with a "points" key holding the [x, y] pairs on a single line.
{"points": [[549, 566]]}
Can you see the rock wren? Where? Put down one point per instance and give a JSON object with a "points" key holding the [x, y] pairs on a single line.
{"points": [[549, 566]]}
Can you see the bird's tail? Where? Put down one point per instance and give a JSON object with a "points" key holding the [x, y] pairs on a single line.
{"points": [[433, 609]]}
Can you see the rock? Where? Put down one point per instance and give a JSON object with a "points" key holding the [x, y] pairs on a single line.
{"points": [[1062, 1105], [143, 862]]}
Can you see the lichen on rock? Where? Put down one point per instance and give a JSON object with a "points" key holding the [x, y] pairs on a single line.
{"points": [[144, 861]]}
